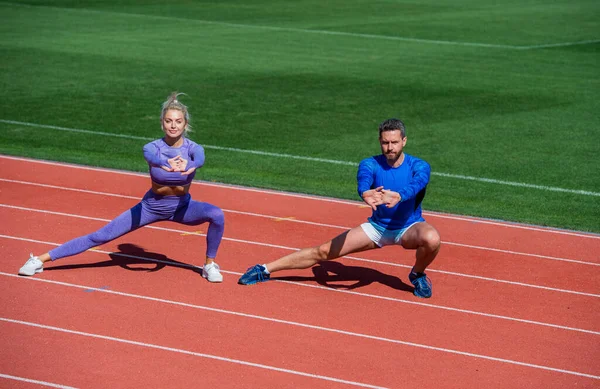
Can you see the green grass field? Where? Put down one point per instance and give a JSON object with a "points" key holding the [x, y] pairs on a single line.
{"points": [[502, 98]]}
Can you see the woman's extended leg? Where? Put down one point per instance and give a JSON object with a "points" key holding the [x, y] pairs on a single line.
{"points": [[128, 221]]}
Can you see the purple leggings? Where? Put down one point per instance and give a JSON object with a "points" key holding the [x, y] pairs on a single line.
{"points": [[153, 208]]}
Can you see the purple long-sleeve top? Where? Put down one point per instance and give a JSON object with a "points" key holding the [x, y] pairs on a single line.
{"points": [[158, 152]]}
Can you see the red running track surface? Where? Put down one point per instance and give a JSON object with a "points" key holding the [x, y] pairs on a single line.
{"points": [[514, 306]]}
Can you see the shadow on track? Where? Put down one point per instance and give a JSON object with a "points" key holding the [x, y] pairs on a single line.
{"points": [[131, 257], [331, 274]]}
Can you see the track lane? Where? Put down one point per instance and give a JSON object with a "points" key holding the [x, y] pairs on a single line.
{"points": [[91, 362], [304, 348], [507, 300], [453, 330]]}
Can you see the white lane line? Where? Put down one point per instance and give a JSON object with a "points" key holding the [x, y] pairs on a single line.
{"points": [[451, 309], [28, 380], [560, 44], [138, 198], [315, 327], [330, 161], [367, 295], [311, 31], [280, 218], [518, 184], [187, 352], [243, 241], [510, 252], [275, 28], [506, 224]]}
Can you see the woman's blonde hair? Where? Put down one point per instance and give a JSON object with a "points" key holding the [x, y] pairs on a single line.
{"points": [[173, 103]]}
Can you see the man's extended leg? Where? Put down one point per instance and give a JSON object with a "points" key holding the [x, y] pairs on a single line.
{"points": [[351, 241]]}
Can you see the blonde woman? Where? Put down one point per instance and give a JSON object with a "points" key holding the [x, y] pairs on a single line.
{"points": [[172, 160]]}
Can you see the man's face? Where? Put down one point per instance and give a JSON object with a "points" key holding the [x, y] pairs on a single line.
{"points": [[392, 143]]}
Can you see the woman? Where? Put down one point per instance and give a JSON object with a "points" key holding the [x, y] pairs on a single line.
{"points": [[173, 161]]}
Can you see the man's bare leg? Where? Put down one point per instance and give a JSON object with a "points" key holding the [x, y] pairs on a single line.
{"points": [[351, 241]]}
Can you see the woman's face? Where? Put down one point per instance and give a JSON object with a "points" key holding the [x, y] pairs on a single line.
{"points": [[174, 123]]}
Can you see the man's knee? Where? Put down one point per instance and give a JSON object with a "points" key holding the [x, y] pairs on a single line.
{"points": [[432, 240], [321, 253]]}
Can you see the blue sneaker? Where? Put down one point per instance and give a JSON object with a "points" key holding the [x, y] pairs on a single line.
{"points": [[253, 275], [422, 285]]}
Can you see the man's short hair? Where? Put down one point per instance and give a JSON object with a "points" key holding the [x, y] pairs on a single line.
{"points": [[391, 125]]}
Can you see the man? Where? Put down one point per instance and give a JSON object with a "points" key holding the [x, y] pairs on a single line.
{"points": [[393, 184]]}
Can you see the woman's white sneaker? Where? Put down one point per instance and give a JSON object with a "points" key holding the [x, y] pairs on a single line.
{"points": [[32, 266], [211, 272]]}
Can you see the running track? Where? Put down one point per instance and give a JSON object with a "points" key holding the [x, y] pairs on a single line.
{"points": [[514, 306]]}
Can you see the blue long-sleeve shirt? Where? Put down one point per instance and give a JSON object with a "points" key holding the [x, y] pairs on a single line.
{"points": [[410, 180]]}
